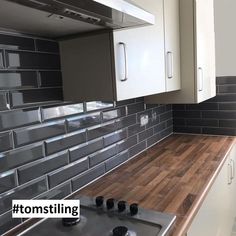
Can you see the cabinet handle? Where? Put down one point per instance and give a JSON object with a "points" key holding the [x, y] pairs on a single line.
{"points": [[229, 174], [232, 167], [200, 79], [170, 65], [126, 62]]}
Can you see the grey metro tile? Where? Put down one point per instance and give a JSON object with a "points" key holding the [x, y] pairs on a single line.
{"points": [[1, 60], [90, 175], [20, 156], [26, 191], [65, 141], [145, 134], [117, 160], [134, 129], [50, 79], [36, 133], [114, 137], [126, 121], [127, 143], [85, 149], [47, 46], [102, 155], [42, 167], [133, 151], [67, 172], [7, 181], [6, 141], [4, 103], [113, 114], [134, 108]]}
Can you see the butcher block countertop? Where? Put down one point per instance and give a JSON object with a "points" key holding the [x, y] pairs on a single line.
{"points": [[173, 176]]}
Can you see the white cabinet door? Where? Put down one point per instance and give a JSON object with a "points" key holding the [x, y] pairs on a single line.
{"points": [[139, 56], [172, 44], [205, 49]]}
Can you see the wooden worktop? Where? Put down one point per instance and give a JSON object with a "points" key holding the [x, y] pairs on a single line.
{"points": [[173, 176]]}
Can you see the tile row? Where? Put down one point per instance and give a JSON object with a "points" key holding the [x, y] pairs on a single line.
{"points": [[16, 42]]}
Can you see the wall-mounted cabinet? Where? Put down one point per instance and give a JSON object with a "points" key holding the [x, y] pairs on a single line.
{"points": [[125, 64], [218, 208], [197, 45]]}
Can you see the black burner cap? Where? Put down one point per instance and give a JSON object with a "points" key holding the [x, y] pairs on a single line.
{"points": [[70, 221], [120, 231]]}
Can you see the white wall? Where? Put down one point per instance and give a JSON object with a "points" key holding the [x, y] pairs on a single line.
{"points": [[225, 27]]}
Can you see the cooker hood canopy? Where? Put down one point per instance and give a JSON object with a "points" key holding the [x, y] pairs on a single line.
{"points": [[58, 18]]}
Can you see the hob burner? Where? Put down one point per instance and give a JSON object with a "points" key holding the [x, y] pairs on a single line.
{"points": [[70, 221], [120, 231]]}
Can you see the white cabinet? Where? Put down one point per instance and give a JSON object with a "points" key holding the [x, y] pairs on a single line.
{"points": [[197, 45], [116, 65], [217, 213]]}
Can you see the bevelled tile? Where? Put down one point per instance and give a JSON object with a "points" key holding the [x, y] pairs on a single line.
{"points": [[7, 222], [97, 105], [7, 181], [102, 155], [180, 107], [59, 192], [227, 123], [134, 108], [147, 113], [83, 121], [166, 132], [36, 133], [47, 46], [145, 134], [126, 121], [113, 114], [50, 78], [127, 143], [6, 141], [83, 179], [55, 112], [24, 79], [64, 141], [32, 60], [227, 88], [186, 114], [151, 106], [219, 114], [226, 80], [189, 129], [137, 149], [202, 106], [153, 140], [124, 102], [159, 127], [16, 42], [117, 160], [159, 110], [169, 122], [26, 191], [114, 137], [202, 122], [42, 167], [4, 104], [219, 131], [227, 106], [179, 121], [101, 130], [168, 107], [153, 120], [16, 118], [85, 149], [166, 116], [224, 98], [67, 172], [20, 156], [2, 64], [27, 97], [134, 129]]}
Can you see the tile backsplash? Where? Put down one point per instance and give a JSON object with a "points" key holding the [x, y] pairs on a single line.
{"points": [[215, 116], [50, 148]]}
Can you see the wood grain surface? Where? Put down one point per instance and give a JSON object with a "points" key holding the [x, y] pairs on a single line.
{"points": [[173, 176]]}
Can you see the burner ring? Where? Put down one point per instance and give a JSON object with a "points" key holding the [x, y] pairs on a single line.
{"points": [[120, 231]]}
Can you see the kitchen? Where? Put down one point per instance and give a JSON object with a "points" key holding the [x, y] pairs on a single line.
{"points": [[128, 106]]}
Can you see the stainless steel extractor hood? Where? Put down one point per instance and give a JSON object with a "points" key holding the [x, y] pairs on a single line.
{"points": [[57, 18]]}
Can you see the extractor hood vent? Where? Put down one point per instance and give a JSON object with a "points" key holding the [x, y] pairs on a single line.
{"points": [[77, 16]]}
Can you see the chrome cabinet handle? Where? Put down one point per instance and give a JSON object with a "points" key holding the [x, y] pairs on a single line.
{"points": [[126, 61], [169, 65], [229, 174], [232, 169], [200, 79]]}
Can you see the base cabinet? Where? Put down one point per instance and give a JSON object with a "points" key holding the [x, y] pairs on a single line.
{"points": [[217, 213]]}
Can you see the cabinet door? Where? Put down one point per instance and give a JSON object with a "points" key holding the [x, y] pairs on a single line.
{"points": [[139, 56], [205, 49], [172, 44], [213, 218]]}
